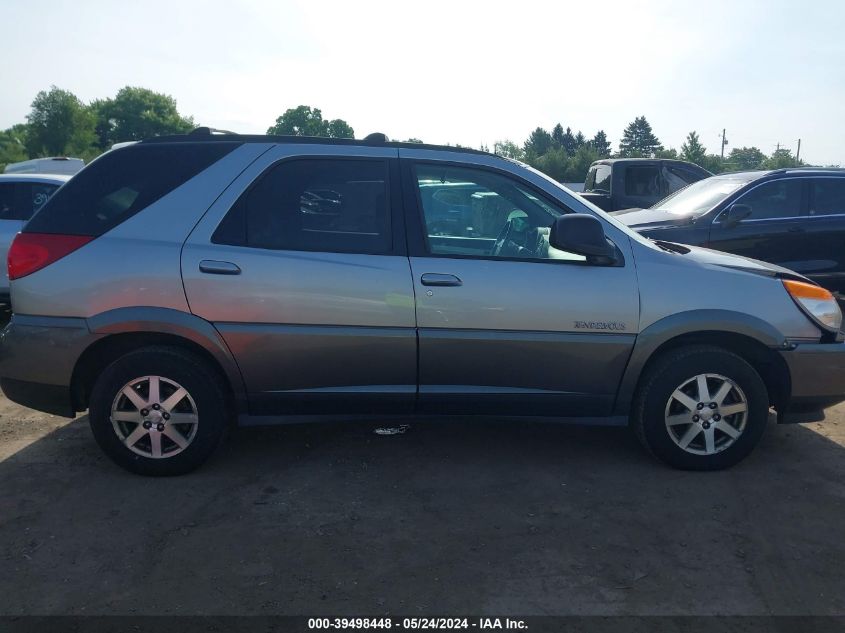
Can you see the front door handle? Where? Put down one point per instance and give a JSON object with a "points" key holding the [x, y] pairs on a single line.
{"points": [[215, 267], [439, 279], [796, 229]]}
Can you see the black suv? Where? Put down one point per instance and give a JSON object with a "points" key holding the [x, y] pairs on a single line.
{"points": [[791, 217]]}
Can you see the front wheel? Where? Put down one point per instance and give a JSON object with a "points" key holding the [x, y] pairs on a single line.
{"points": [[158, 411], [700, 408]]}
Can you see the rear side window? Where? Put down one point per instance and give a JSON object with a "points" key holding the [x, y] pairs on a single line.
{"points": [[20, 200], [121, 183], [828, 196], [330, 205], [642, 181]]}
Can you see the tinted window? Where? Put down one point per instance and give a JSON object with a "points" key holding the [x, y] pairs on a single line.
{"points": [[828, 196], [602, 179], [8, 202], [20, 200], [122, 182], [314, 205], [481, 213], [642, 181], [777, 199]]}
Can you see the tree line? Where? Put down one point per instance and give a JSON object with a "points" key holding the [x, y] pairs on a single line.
{"points": [[60, 124]]}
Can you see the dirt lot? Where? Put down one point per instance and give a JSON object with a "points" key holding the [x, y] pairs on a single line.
{"points": [[452, 517]]}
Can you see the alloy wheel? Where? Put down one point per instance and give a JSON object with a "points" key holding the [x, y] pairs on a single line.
{"points": [[706, 414], [154, 417]]}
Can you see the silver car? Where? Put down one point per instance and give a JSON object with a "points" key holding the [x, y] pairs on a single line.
{"points": [[182, 283], [21, 195]]}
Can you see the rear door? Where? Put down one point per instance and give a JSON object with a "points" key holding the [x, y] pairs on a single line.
{"points": [[774, 232], [507, 324], [825, 231], [301, 266]]}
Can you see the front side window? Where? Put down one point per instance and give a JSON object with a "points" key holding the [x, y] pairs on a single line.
{"points": [[776, 199], [331, 205], [474, 212], [642, 181], [598, 180], [828, 196]]}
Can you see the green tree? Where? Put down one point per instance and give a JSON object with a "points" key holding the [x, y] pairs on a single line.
{"points": [[692, 150], [781, 159], [745, 159], [508, 149], [638, 140], [601, 144], [538, 143], [13, 145], [138, 113], [713, 163], [59, 124], [307, 121], [579, 163], [569, 143], [553, 163], [557, 135], [413, 140], [670, 153]]}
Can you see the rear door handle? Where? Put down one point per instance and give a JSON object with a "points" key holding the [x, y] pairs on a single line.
{"points": [[796, 229], [439, 279], [214, 267]]}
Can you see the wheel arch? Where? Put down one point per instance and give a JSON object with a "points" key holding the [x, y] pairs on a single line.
{"points": [[125, 329], [751, 338]]}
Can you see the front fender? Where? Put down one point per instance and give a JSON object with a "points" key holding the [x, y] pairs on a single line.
{"points": [[684, 323]]}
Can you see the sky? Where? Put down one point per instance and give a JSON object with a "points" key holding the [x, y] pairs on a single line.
{"points": [[458, 71]]}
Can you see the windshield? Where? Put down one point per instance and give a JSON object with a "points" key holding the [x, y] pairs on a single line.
{"points": [[701, 196]]}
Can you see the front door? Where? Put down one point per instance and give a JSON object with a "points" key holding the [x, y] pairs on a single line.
{"points": [[774, 232], [507, 324], [301, 267]]}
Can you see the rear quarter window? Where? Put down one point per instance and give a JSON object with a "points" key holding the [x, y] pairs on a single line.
{"points": [[121, 183]]}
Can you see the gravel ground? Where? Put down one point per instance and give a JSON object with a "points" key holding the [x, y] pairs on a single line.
{"points": [[451, 517]]}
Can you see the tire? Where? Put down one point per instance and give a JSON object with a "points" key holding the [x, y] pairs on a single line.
{"points": [[188, 428], [668, 402]]}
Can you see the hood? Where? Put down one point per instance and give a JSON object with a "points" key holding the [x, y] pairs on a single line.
{"points": [[646, 218], [710, 257]]}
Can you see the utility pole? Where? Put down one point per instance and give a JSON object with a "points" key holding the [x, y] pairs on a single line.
{"points": [[724, 142], [798, 153], [777, 147]]}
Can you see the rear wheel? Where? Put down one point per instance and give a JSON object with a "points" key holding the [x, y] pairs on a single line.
{"points": [[701, 408], [158, 411]]}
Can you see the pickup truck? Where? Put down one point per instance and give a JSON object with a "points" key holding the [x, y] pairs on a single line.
{"points": [[622, 183]]}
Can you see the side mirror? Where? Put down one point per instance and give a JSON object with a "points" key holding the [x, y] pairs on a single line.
{"points": [[582, 234], [735, 214]]}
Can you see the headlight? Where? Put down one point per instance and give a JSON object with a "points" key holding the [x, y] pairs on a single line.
{"points": [[816, 302]]}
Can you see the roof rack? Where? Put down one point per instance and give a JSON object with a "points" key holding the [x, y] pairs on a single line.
{"points": [[208, 131], [376, 139]]}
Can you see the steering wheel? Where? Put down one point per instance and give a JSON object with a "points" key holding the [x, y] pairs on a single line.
{"points": [[502, 239], [506, 246]]}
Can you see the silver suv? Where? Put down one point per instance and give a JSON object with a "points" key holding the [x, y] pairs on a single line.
{"points": [[181, 283]]}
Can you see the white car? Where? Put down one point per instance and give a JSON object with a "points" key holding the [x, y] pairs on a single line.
{"points": [[52, 165], [21, 195]]}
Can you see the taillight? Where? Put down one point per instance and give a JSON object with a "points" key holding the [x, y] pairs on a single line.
{"points": [[33, 251]]}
